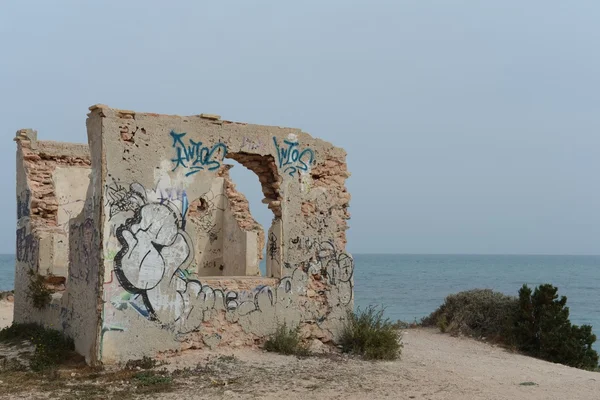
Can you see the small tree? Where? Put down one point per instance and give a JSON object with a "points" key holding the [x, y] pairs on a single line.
{"points": [[542, 329]]}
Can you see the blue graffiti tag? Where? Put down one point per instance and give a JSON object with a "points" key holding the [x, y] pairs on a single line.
{"points": [[195, 156], [292, 158], [23, 204], [172, 195]]}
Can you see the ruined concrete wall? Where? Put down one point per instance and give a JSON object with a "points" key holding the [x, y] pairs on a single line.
{"points": [[52, 189], [218, 220], [27, 244], [154, 298], [243, 236], [204, 222]]}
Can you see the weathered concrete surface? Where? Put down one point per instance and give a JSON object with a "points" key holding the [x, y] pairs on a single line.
{"points": [[70, 187], [169, 252], [52, 185], [153, 292]]}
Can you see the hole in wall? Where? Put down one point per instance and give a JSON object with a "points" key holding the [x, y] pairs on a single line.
{"points": [[247, 182]]}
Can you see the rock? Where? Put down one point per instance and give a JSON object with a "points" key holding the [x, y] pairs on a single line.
{"points": [[213, 117], [186, 345], [212, 341], [8, 296], [317, 347]]}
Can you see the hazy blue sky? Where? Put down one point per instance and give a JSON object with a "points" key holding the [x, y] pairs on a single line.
{"points": [[470, 126]]}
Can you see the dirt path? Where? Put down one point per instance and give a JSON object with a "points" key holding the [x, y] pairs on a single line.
{"points": [[433, 366]]}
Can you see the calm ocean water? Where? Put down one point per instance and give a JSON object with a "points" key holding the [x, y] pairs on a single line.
{"points": [[412, 286]]}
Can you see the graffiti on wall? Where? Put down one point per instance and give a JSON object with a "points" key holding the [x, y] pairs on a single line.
{"points": [[175, 195], [23, 204], [306, 243], [26, 246], [152, 267], [154, 248], [252, 144], [121, 199], [204, 209], [182, 302], [84, 239], [195, 156], [273, 247], [155, 271], [155, 252], [291, 159]]}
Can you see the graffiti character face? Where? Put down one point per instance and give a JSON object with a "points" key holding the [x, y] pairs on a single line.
{"points": [[144, 263], [153, 248]]}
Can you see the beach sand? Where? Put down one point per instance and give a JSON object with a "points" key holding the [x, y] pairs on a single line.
{"points": [[433, 366], [6, 313]]}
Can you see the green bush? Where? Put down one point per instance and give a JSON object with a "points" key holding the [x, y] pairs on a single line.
{"points": [[542, 329], [51, 346], [286, 341], [39, 294], [370, 336], [152, 378], [142, 363], [442, 323], [536, 323], [16, 333], [477, 313]]}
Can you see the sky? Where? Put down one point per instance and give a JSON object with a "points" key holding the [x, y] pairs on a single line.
{"points": [[470, 126]]}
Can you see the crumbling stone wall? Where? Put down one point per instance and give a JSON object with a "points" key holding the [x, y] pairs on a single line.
{"points": [[309, 280], [52, 180], [52, 185], [173, 249], [240, 211]]}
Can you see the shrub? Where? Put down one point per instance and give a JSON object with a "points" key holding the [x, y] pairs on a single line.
{"points": [[152, 378], [477, 313], [442, 323], [51, 346], [536, 323], [39, 294], [143, 363], [286, 341], [370, 336], [542, 329], [16, 333]]}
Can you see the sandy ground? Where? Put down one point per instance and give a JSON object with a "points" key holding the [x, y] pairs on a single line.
{"points": [[6, 311], [433, 366]]}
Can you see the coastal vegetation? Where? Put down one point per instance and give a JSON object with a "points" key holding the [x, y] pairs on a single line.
{"points": [[51, 347], [286, 341], [368, 334], [39, 293], [536, 323]]}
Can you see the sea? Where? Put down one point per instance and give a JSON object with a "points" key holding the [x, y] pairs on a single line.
{"points": [[410, 287]]}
